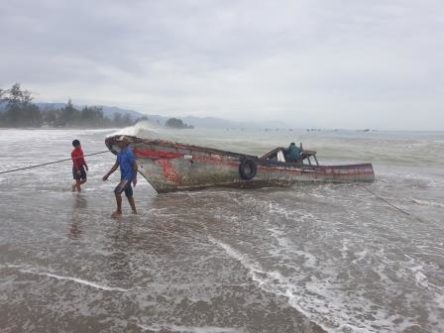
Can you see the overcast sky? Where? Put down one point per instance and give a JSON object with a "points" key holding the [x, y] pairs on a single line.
{"points": [[312, 63]]}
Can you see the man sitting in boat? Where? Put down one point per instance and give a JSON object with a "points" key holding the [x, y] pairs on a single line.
{"points": [[293, 153]]}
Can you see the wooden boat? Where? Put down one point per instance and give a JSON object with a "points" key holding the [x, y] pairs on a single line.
{"points": [[170, 166]]}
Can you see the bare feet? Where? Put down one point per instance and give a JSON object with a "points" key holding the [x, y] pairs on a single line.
{"points": [[73, 188], [134, 212], [116, 214]]}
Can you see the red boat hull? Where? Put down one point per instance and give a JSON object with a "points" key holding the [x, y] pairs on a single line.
{"points": [[169, 166]]}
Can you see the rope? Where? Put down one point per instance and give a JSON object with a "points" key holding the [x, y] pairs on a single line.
{"points": [[48, 163], [391, 205]]}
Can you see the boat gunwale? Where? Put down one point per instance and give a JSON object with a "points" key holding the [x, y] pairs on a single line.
{"points": [[177, 145], [109, 141]]}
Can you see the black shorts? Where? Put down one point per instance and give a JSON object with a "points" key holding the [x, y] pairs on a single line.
{"points": [[124, 185], [76, 176]]}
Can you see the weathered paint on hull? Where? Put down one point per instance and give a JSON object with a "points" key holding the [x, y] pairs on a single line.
{"points": [[171, 167], [167, 176]]}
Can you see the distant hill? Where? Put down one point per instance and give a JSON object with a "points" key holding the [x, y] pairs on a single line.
{"points": [[197, 122], [212, 122]]}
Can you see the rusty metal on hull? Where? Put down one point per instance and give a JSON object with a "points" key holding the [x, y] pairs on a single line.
{"points": [[170, 166]]}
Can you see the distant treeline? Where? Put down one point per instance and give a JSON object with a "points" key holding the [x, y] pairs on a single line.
{"points": [[17, 110]]}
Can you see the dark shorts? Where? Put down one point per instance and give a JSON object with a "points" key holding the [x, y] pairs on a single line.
{"points": [[124, 185], [76, 176]]}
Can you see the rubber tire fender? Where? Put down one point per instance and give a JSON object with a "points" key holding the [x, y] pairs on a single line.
{"points": [[247, 169]]}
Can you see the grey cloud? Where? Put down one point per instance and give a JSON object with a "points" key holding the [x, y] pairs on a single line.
{"points": [[335, 63]]}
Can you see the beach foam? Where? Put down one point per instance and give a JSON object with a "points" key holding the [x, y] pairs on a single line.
{"points": [[318, 300], [189, 329], [32, 270]]}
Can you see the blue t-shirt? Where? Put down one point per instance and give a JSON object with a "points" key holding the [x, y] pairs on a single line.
{"points": [[126, 160]]}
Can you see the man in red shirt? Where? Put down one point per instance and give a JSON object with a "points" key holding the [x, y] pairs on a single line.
{"points": [[78, 166]]}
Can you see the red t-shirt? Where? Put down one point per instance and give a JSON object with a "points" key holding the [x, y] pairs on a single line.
{"points": [[77, 158]]}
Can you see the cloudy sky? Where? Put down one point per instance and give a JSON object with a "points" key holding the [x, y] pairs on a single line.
{"points": [[312, 63]]}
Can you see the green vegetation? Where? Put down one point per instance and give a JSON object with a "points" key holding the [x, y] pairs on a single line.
{"points": [[176, 123], [19, 111]]}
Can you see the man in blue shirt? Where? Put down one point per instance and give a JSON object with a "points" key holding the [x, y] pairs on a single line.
{"points": [[128, 175]]}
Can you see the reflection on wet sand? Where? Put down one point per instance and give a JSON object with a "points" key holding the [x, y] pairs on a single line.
{"points": [[80, 205], [120, 247]]}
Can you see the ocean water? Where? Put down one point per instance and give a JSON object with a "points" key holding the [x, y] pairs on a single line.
{"points": [[313, 258]]}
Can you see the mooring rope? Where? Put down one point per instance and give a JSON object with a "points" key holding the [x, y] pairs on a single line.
{"points": [[49, 163], [391, 205]]}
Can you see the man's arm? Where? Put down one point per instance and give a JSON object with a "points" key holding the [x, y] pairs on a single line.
{"points": [[114, 168], [135, 168], [84, 163]]}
